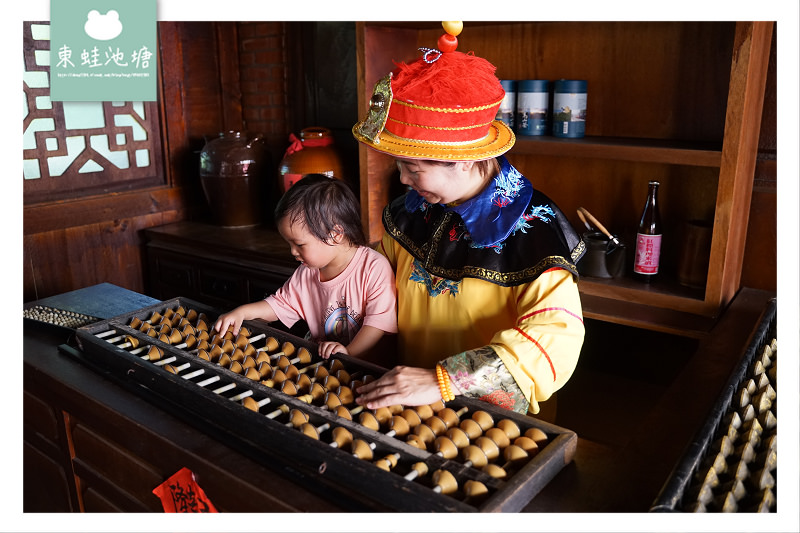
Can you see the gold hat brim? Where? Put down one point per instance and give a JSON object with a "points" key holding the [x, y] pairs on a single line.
{"points": [[497, 141]]}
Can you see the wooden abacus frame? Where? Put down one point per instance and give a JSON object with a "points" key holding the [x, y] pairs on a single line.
{"points": [[353, 483]]}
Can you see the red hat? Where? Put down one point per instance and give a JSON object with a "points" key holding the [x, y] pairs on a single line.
{"points": [[442, 106]]}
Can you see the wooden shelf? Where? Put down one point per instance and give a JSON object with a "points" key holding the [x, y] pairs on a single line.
{"points": [[624, 149], [646, 316]]}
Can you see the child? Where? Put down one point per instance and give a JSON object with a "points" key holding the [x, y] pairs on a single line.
{"points": [[343, 289]]}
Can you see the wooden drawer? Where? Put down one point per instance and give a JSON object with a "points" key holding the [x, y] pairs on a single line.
{"points": [[111, 469]]}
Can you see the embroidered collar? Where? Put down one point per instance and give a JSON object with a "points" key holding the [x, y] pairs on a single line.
{"points": [[492, 215]]}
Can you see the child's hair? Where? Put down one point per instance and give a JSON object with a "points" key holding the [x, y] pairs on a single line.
{"points": [[322, 204]]}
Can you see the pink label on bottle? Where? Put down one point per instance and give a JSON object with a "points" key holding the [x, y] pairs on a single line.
{"points": [[648, 252]]}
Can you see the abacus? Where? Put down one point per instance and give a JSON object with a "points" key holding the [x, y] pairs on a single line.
{"points": [[731, 466], [268, 394]]}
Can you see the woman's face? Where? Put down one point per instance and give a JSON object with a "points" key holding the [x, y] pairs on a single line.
{"points": [[439, 184]]}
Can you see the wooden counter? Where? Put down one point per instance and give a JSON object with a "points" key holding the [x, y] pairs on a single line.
{"points": [[92, 445]]}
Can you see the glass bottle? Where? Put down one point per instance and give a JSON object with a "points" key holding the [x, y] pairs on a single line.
{"points": [[648, 238]]}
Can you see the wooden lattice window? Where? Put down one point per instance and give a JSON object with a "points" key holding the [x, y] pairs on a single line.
{"points": [[75, 149]]}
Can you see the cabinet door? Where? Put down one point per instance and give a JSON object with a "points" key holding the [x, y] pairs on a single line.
{"points": [[47, 478]]}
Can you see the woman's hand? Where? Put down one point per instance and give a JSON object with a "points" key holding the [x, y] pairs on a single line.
{"points": [[403, 385], [328, 348]]}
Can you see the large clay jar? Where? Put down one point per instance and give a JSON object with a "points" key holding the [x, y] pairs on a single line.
{"points": [[234, 170], [313, 153]]}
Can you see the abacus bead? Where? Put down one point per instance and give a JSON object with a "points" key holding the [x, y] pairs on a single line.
{"points": [[510, 428], [424, 432], [420, 467], [495, 471], [368, 420], [361, 449], [445, 480], [483, 419], [271, 344], [412, 417], [537, 435], [383, 464], [332, 401], [448, 416], [335, 365], [303, 382], [514, 454], [383, 414], [345, 394], [289, 388], [416, 441], [297, 417], [436, 424], [424, 411], [499, 436], [446, 447], [342, 436], [475, 489], [488, 446], [437, 406], [471, 428], [458, 436], [309, 430], [475, 455], [399, 425], [342, 375], [304, 355], [527, 444], [343, 412]]}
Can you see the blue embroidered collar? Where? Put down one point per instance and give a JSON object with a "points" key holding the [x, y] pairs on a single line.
{"points": [[492, 215]]}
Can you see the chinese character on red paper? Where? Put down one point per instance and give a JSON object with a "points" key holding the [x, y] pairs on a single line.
{"points": [[181, 494]]}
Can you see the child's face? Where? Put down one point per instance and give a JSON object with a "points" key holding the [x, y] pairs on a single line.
{"points": [[304, 246]]}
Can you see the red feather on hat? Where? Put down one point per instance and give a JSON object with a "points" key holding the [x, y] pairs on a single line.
{"points": [[455, 79]]}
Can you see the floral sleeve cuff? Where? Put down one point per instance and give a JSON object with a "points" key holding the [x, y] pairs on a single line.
{"points": [[481, 374]]}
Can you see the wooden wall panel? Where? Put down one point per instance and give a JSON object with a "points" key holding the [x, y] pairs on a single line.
{"points": [[95, 239]]}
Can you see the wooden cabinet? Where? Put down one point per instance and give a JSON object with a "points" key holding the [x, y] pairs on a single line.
{"points": [[679, 102], [225, 267]]}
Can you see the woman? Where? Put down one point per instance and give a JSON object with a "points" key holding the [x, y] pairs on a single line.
{"points": [[488, 304]]}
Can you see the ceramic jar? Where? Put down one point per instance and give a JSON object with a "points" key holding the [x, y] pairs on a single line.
{"points": [[313, 153], [234, 169]]}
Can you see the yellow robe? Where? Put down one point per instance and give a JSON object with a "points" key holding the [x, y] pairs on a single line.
{"points": [[535, 328]]}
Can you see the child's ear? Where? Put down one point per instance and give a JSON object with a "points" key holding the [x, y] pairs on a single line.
{"points": [[337, 235]]}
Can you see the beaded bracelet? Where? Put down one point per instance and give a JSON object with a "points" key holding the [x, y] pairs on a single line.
{"points": [[444, 383]]}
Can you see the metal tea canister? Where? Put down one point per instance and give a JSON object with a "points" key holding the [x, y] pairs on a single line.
{"points": [[505, 112], [532, 107], [569, 108]]}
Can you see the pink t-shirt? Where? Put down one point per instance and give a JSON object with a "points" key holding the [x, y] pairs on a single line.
{"points": [[364, 294]]}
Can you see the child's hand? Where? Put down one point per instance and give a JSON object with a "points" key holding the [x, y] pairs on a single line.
{"points": [[233, 318], [328, 348]]}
